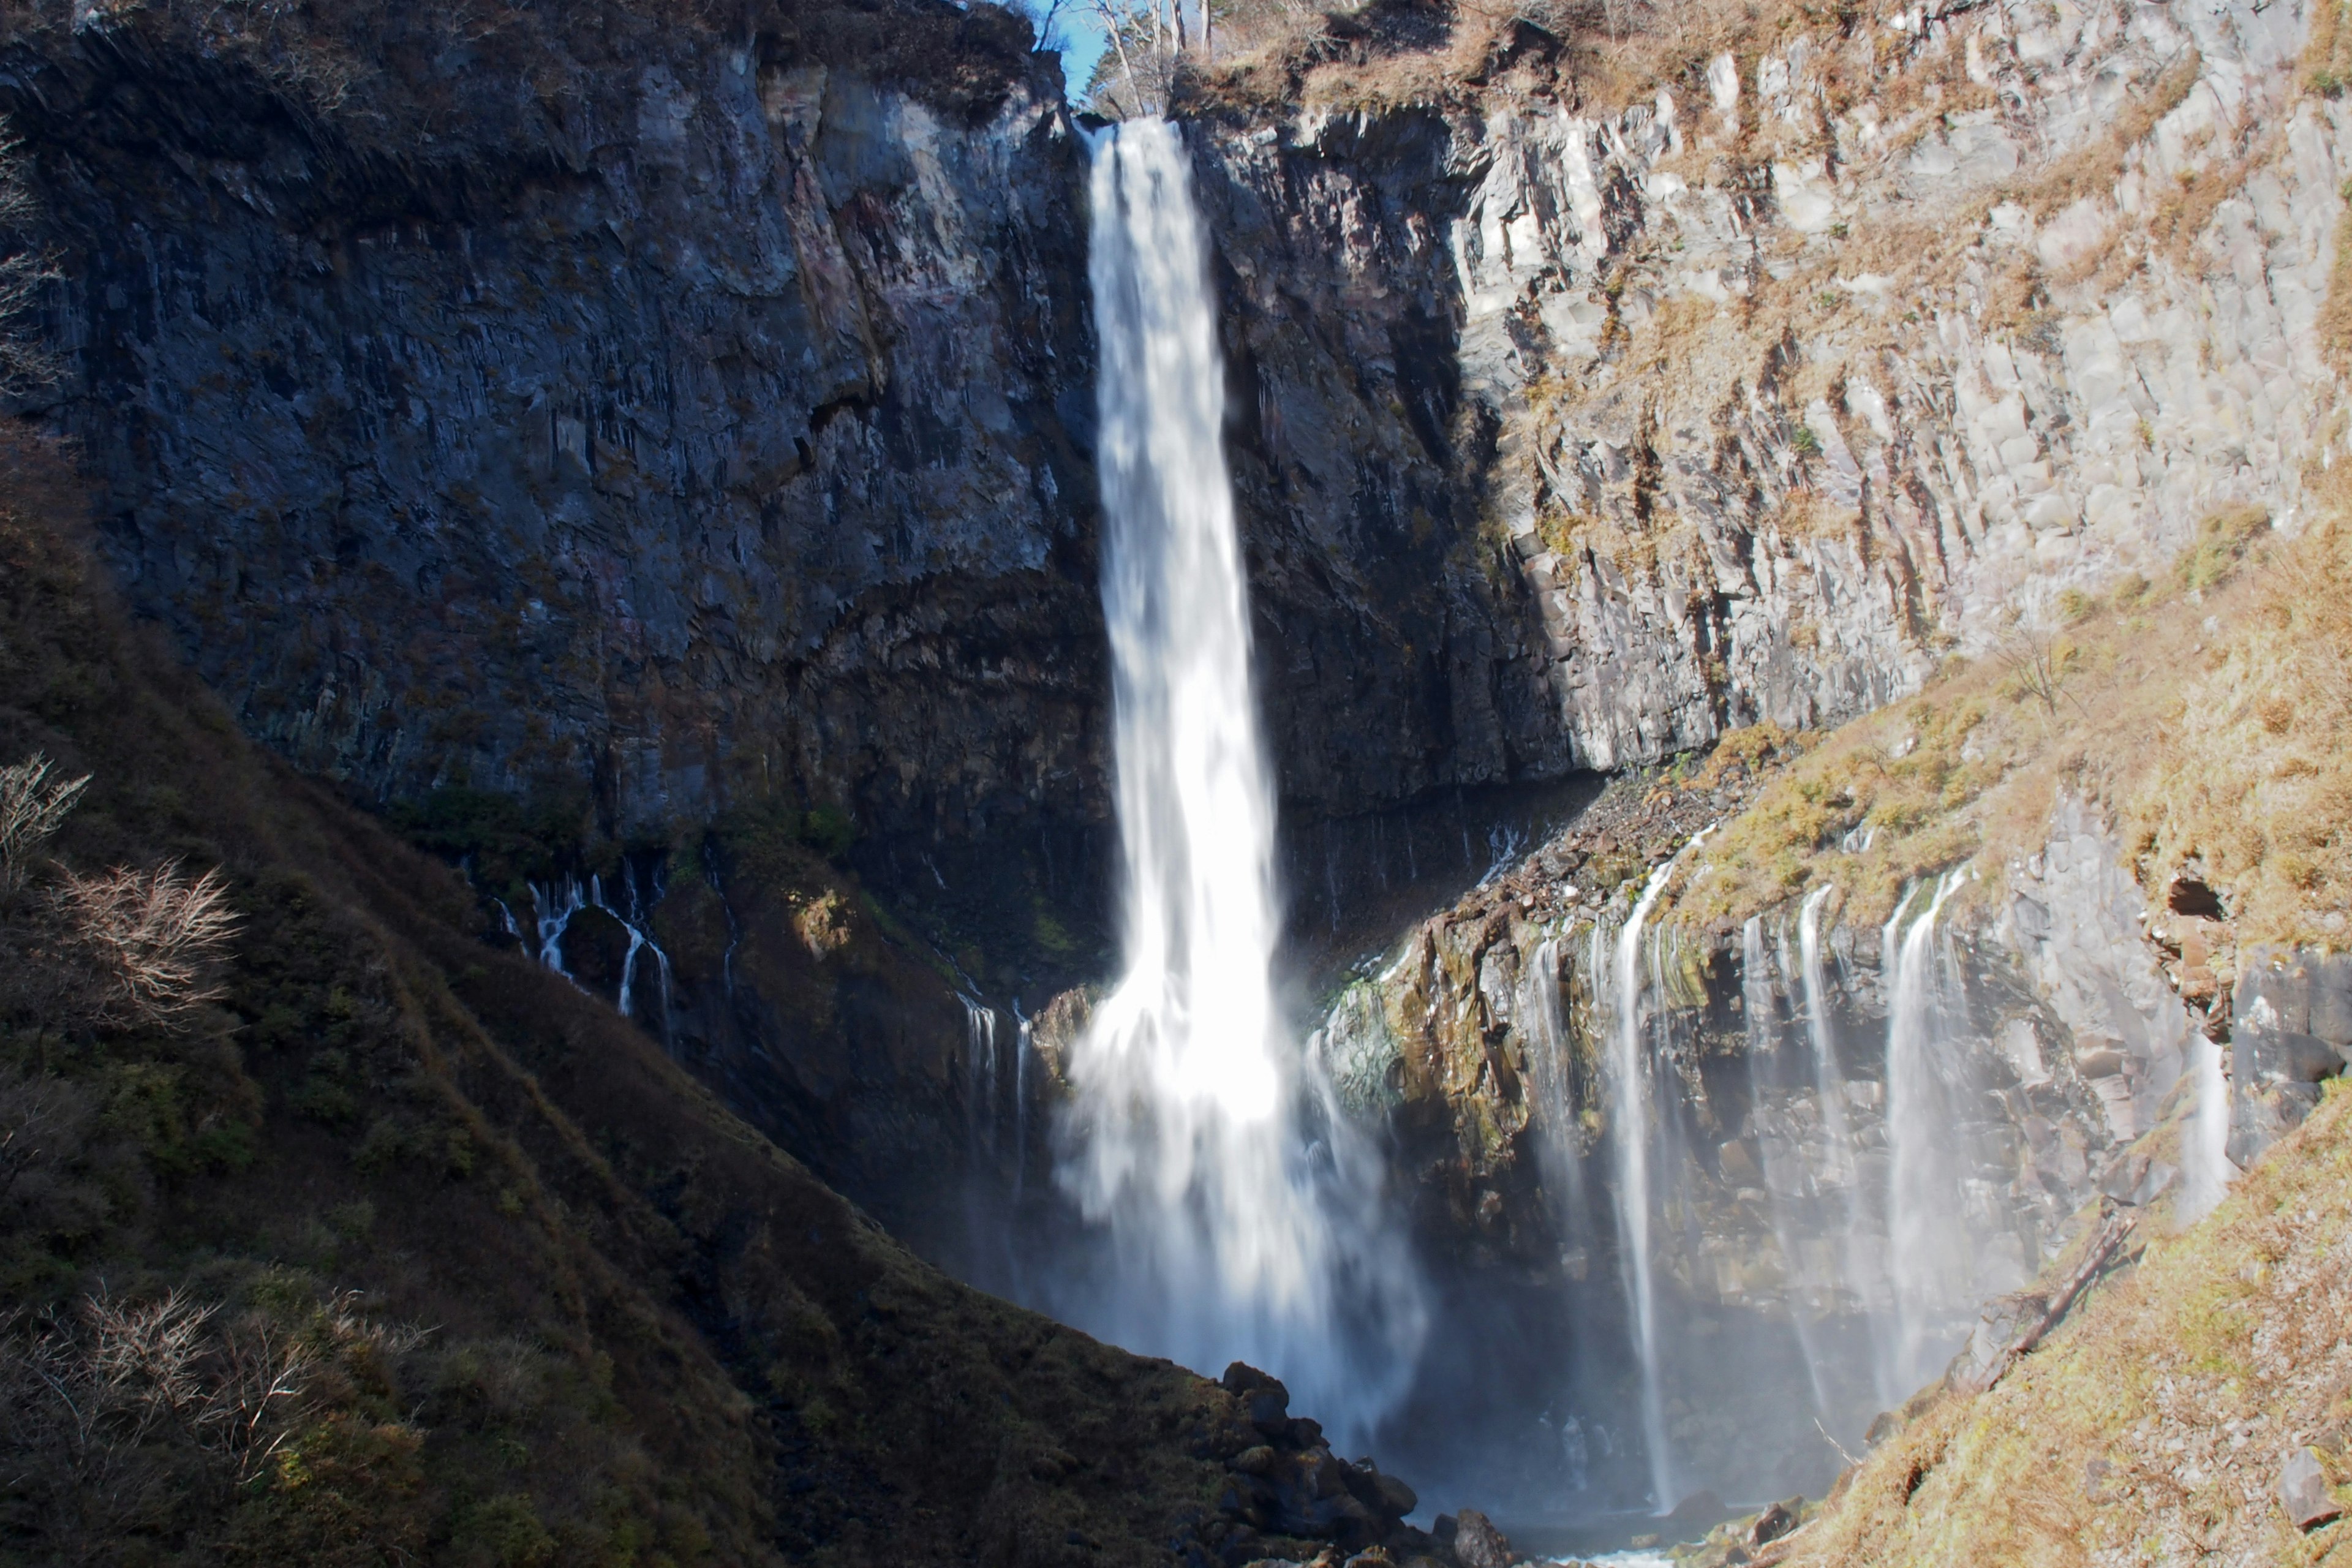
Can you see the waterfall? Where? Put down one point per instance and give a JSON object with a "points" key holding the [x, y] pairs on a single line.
{"points": [[556, 904], [1862, 1272], [1549, 1069], [1236, 1202], [1025, 1044], [1630, 1073], [981, 1116], [1924, 1196], [2205, 1140]]}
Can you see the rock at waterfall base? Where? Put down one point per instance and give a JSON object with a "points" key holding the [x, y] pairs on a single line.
{"points": [[1770, 1525], [1477, 1543]]}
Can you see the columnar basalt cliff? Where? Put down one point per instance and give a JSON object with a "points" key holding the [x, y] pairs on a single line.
{"points": [[586, 408], [1850, 345]]}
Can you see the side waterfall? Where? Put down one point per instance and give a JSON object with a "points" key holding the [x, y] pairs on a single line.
{"points": [[1760, 1006], [1862, 1271], [1629, 1066], [1238, 1207], [1926, 1197]]}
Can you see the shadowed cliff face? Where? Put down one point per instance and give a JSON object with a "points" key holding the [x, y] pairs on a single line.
{"points": [[1362, 466], [688, 416]]}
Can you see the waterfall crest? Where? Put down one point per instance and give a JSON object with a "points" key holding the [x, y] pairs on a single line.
{"points": [[1238, 1204]]}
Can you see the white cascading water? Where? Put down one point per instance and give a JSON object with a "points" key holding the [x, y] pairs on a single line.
{"points": [[1783, 1176], [1629, 1067], [1927, 1236], [1862, 1273], [1549, 1049], [1239, 1226], [2205, 1168]]}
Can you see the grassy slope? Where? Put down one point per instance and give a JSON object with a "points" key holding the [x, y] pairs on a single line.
{"points": [[2208, 716], [2151, 1430], [654, 1336]]}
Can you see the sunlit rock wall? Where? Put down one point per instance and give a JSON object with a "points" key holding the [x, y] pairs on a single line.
{"points": [[2057, 1075], [1782, 384]]}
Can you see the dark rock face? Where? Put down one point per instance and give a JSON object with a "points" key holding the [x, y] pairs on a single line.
{"points": [[1361, 466], [715, 424]]}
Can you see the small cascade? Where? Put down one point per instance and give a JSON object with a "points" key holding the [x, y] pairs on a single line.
{"points": [[553, 908], [1861, 1271], [1024, 1046], [2205, 1142], [555, 905], [1630, 1074], [1784, 1175], [981, 1115], [727, 912], [1550, 1066], [1926, 1202]]}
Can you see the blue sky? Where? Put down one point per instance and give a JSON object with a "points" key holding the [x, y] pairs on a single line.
{"points": [[1084, 32]]}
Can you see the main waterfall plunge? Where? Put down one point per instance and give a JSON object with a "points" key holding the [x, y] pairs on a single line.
{"points": [[1241, 1207], [1772, 1174]]}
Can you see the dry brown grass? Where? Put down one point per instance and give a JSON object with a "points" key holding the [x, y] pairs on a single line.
{"points": [[157, 936], [2134, 704], [2255, 776], [2091, 171], [2151, 1428]]}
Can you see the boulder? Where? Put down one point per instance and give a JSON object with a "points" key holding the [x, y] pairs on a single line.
{"points": [[1477, 1543], [1386, 1496], [1774, 1522], [2303, 1491], [1263, 1396]]}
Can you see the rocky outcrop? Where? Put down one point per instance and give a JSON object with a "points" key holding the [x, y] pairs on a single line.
{"points": [[2290, 1031], [1830, 358], [1284, 1489], [2061, 1069], [695, 415]]}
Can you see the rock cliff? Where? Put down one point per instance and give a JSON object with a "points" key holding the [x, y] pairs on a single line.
{"points": [[1843, 345]]}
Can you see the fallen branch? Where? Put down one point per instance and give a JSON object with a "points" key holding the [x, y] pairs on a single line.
{"points": [[2111, 1235]]}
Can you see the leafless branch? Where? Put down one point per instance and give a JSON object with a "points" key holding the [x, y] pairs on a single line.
{"points": [[33, 805], [155, 933]]}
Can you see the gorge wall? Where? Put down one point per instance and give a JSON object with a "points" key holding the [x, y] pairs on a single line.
{"points": [[710, 407], [1845, 347], [694, 421]]}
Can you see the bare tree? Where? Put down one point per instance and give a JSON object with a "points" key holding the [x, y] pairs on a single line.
{"points": [[1150, 40], [154, 934], [101, 1411], [26, 270], [33, 806], [2038, 667]]}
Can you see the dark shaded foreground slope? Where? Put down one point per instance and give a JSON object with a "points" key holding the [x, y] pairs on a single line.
{"points": [[561, 1306]]}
